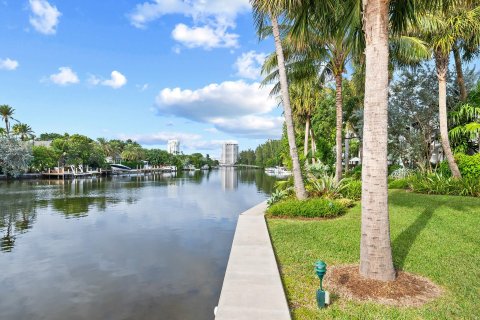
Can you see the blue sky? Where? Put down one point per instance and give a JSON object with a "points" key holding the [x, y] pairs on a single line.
{"points": [[146, 70]]}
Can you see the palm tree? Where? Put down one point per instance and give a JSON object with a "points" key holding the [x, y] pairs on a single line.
{"points": [[441, 30], [7, 112], [375, 248], [23, 130], [272, 9], [106, 147]]}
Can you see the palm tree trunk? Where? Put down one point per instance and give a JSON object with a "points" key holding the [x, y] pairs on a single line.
{"points": [[460, 79], [347, 150], [339, 126], [441, 62], [305, 142], [314, 145], [297, 173], [375, 248]]}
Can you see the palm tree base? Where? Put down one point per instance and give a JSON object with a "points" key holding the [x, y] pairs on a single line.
{"points": [[407, 290]]}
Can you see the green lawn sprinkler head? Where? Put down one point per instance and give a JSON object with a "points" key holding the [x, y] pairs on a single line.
{"points": [[322, 296]]}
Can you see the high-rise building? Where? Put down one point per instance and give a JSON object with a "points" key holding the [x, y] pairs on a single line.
{"points": [[229, 153], [173, 147]]}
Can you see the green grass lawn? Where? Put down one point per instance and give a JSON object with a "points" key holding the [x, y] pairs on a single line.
{"points": [[434, 236]]}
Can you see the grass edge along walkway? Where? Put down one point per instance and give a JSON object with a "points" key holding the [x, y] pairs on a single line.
{"points": [[434, 236]]}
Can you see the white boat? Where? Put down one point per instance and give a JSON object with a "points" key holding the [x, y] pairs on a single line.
{"points": [[119, 167], [278, 171]]}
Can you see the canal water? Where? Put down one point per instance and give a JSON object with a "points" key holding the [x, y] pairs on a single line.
{"points": [[131, 247]]}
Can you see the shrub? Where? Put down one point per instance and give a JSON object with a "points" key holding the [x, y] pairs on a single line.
{"points": [[469, 166], [347, 203], [352, 189], [310, 208], [355, 173], [438, 184], [399, 183]]}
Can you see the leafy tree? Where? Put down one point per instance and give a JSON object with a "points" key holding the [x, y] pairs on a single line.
{"points": [[49, 136], [246, 157], [413, 116], [43, 158], [15, 156]]}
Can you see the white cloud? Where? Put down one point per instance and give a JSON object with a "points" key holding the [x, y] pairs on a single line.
{"points": [[8, 64], [65, 77], [45, 17], [227, 99], [199, 10], [231, 106], [251, 126], [211, 20], [207, 37], [249, 64], [116, 81]]}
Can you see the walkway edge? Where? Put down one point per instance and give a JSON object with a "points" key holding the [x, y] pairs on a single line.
{"points": [[252, 288]]}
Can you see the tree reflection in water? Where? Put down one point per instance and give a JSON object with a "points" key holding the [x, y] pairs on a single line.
{"points": [[76, 198]]}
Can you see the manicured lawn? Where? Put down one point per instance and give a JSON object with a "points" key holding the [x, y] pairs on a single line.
{"points": [[434, 236]]}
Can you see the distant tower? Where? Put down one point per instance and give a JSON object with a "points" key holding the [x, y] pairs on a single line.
{"points": [[173, 147], [229, 153]]}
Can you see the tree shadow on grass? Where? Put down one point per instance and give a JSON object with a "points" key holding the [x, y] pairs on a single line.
{"points": [[404, 242], [427, 205]]}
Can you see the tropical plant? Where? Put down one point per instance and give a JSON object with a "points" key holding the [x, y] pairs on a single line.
{"points": [[23, 131], [467, 126], [7, 112], [279, 195]]}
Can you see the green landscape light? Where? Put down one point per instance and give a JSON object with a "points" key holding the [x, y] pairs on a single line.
{"points": [[322, 296]]}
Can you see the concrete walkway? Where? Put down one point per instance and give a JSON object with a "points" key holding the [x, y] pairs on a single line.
{"points": [[252, 288]]}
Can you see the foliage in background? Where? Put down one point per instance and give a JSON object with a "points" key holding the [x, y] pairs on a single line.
{"points": [[401, 173]]}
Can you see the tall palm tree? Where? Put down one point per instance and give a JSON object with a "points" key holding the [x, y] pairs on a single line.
{"points": [[380, 18], [273, 9], [375, 248], [7, 112], [23, 130], [441, 30]]}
